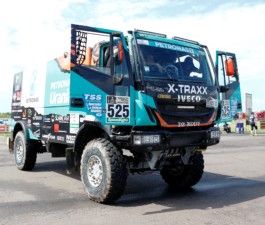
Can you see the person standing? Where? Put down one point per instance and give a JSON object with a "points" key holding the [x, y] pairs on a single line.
{"points": [[253, 124], [227, 128]]}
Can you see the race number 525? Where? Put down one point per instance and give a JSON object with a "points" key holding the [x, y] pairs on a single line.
{"points": [[118, 111]]}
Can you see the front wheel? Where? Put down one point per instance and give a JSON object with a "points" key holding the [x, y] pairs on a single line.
{"points": [[184, 176], [103, 172], [24, 152]]}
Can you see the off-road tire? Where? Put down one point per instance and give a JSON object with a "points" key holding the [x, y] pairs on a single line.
{"points": [[184, 176], [25, 153], [103, 172]]}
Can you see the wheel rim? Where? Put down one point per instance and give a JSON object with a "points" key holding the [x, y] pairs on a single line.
{"points": [[94, 171], [19, 151]]}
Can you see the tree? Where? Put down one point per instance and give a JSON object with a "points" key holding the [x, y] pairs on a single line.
{"points": [[5, 115]]}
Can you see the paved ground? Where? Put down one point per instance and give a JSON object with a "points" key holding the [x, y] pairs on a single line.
{"points": [[232, 191]]}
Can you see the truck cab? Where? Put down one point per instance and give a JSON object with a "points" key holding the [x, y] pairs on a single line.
{"points": [[162, 86]]}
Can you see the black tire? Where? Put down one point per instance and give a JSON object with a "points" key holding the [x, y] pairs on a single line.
{"points": [[103, 172], [24, 152], [185, 176]]}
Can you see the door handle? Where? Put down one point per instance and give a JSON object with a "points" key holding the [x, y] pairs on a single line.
{"points": [[77, 102]]}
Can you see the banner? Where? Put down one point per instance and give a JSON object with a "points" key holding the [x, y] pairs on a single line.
{"points": [[248, 104]]}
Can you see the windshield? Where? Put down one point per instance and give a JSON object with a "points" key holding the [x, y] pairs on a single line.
{"points": [[168, 61]]}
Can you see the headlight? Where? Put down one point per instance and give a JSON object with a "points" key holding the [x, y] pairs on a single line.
{"points": [[215, 134], [146, 139]]}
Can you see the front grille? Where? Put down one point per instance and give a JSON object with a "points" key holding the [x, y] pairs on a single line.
{"points": [[173, 112], [181, 108], [175, 119]]}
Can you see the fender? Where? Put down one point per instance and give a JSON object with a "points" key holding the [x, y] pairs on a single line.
{"points": [[88, 131], [20, 125]]}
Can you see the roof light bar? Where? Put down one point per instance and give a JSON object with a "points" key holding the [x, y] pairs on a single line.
{"points": [[184, 39], [151, 33]]}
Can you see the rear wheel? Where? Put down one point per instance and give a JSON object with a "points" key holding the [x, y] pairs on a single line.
{"points": [[103, 172], [184, 176], [24, 152]]}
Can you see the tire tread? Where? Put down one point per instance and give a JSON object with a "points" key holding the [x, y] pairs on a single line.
{"points": [[190, 176], [117, 169]]}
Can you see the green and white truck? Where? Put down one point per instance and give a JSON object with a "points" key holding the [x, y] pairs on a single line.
{"points": [[118, 105]]}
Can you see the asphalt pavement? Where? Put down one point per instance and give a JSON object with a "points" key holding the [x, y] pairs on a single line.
{"points": [[231, 191]]}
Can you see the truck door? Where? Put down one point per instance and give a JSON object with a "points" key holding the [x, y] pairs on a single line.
{"points": [[100, 83], [228, 77]]}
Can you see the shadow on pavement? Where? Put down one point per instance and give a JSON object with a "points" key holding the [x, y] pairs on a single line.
{"points": [[213, 191]]}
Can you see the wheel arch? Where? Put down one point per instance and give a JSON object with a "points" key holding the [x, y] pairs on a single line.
{"points": [[87, 132], [20, 126]]}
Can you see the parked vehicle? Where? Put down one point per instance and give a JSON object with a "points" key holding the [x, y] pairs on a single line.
{"points": [[155, 97]]}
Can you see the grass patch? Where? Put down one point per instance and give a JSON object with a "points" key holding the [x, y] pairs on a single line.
{"points": [[6, 134]]}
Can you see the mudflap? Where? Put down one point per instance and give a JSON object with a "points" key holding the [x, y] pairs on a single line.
{"points": [[70, 160]]}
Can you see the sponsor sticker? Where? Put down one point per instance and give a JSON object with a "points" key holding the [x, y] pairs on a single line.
{"points": [[74, 123], [225, 109], [70, 139], [117, 109], [94, 104]]}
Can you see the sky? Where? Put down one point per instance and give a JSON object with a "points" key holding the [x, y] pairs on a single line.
{"points": [[35, 31]]}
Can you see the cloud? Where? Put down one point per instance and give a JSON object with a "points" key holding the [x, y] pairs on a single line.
{"points": [[36, 31], [28, 35]]}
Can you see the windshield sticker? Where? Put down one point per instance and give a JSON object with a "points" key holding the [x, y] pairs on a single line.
{"points": [[202, 53], [174, 47], [168, 46], [142, 42]]}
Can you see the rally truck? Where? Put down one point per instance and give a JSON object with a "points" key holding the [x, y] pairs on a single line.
{"points": [[120, 104]]}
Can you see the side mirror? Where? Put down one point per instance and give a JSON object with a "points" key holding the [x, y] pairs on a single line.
{"points": [[230, 68]]}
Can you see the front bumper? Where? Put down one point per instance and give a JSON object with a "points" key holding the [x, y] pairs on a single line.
{"points": [[176, 139]]}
